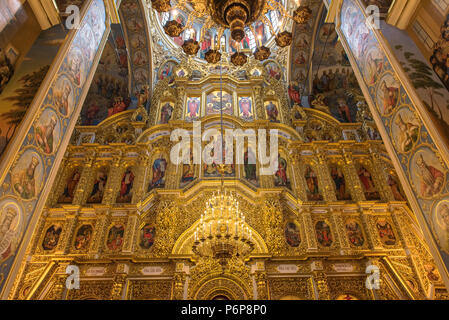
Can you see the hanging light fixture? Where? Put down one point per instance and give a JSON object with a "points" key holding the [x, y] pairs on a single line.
{"points": [[222, 233], [237, 16]]}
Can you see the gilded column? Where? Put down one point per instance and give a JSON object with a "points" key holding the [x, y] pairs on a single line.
{"points": [[58, 289], [320, 279], [113, 181], [69, 229], [86, 174], [117, 287], [273, 218], [260, 113], [131, 227], [323, 173], [340, 226], [379, 176], [350, 172], [309, 230], [299, 179], [141, 174], [62, 173], [100, 230], [262, 285], [179, 281], [179, 105]]}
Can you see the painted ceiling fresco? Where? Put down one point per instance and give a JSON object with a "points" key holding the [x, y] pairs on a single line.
{"points": [[320, 69], [124, 68]]}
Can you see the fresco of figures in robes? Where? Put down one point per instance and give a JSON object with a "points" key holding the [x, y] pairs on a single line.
{"points": [[385, 231], [83, 237], [272, 110], [246, 108], [313, 191], [157, 178], [147, 235], [51, 237], [126, 186], [341, 189], [354, 232], [188, 172], [99, 187], [323, 233], [166, 112], [292, 236], [114, 241], [281, 177], [250, 167], [368, 186], [70, 186], [211, 170], [193, 105]]}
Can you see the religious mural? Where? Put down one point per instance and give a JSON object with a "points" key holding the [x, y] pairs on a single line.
{"points": [[22, 87], [157, 177], [440, 57], [48, 131], [166, 112], [166, 70], [83, 237], [98, 189], [414, 146], [368, 186], [313, 191], [386, 233], [70, 186], [35, 157], [323, 233], [11, 227], [27, 175], [354, 232], [272, 110], [109, 94], [210, 170], [246, 108], [215, 102], [147, 235], [51, 237], [126, 186], [281, 176], [250, 167], [273, 69], [114, 240], [193, 105], [292, 235], [395, 187], [188, 172], [405, 129], [342, 191]]}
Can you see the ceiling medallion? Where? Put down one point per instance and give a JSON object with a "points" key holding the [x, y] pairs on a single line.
{"points": [[161, 5], [302, 14], [212, 56], [234, 16], [239, 59], [190, 47], [283, 39], [173, 28], [262, 53]]}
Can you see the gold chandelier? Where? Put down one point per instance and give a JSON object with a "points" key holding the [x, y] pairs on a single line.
{"points": [[221, 233], [234, 15]]}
